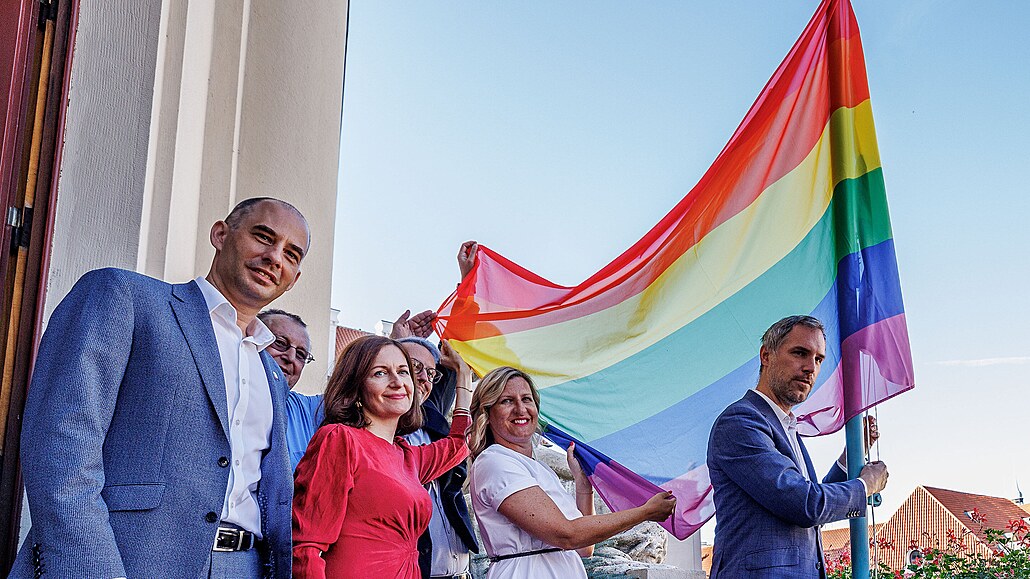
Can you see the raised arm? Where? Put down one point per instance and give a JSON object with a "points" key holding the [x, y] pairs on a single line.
{"points": [[70, 405], [467, 257], [432, 460], [451, 359]]}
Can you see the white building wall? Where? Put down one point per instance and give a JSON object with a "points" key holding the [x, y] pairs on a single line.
{"points": [[104, 159], [289, 139], [686, 555], [180, 109]]}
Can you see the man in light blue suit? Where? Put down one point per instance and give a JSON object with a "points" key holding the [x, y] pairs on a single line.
{"points": [[768, 503], [153, 442]]}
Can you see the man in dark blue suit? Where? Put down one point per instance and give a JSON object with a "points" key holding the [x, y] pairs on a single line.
{"points": [[768, 503], [153, 442]]}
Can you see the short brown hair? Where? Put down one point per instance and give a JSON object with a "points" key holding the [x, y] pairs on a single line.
{"points": [[345, 400], [777, 333]]}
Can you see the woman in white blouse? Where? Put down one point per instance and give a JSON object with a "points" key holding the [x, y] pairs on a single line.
{"points": [[530, 524]]}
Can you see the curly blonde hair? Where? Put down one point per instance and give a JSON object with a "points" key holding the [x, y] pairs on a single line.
{"points": [[486, 395]]}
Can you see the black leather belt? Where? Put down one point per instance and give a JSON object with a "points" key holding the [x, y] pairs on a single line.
{"points": [[497, 558], [458, 576], [230, 539]]}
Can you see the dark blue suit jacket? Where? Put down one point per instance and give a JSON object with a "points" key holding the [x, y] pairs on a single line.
{"points": [[767, 514], [454, 506], [124, 435]]}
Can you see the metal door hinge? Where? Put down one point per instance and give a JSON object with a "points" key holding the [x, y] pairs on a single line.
{"points": [[20, 221], [47, 11]]}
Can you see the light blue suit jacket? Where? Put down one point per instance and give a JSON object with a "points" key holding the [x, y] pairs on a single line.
{"points": [[125, 446], [767, 514]]}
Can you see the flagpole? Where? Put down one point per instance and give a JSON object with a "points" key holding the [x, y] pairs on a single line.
{"points": [[859, 528]]}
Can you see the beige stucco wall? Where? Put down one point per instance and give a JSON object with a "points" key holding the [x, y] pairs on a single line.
{"points": [[180, 109], [104, 157], [289, 135]]}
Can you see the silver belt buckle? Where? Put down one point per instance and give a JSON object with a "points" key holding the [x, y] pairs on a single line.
{"points": [[229, 532]]}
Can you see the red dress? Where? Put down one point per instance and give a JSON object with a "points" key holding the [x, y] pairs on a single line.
{"points": [[359, 505]]}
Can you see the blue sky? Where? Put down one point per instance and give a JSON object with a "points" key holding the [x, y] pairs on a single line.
{"points": [[559, 133]]}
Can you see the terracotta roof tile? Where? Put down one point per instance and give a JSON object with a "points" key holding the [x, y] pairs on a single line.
{"points": [[834, 539], [936, 518], [345, 336], [996, 511]]}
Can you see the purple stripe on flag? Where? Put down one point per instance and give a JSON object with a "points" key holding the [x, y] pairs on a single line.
{"points": [[621, 488], [876, 364]]}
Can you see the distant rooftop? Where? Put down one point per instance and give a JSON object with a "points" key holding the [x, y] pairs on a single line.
{"points": [[345, 336], [996, 512]]}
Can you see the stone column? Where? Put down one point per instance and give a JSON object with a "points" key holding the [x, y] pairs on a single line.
{"points": [[182, 108]]}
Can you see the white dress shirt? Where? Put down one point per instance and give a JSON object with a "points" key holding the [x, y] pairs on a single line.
{"points": [[789, 422], [249, 406]]}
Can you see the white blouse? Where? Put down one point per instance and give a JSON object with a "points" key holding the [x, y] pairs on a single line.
{"points": [[498, 473]]}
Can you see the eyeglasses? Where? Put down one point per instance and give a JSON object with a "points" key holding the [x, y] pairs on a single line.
{"points": [[431, 373], [282, 345]]}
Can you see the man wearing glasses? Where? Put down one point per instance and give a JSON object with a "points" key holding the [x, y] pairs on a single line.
{"points": [[291, 350], [292, 346]]}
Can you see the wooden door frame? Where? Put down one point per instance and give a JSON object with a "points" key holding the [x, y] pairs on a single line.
{"points": [[27, 230]]}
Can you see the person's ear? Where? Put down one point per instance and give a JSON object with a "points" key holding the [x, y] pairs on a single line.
{"points": [[219, 231]]}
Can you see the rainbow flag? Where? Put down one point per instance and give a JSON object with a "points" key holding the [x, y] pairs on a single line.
{"points": [[636, 362]]}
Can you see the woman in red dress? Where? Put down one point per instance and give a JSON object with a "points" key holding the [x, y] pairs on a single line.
{"points": [[359, 505]]}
